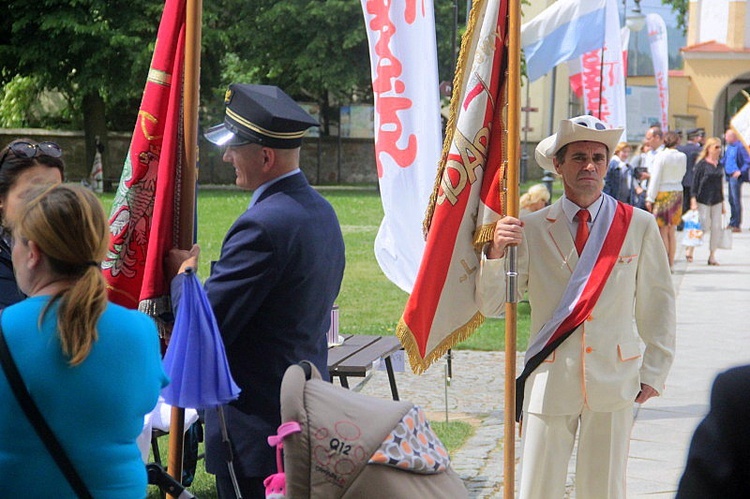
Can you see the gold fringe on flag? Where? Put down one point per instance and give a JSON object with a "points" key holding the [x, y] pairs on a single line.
{"points": [[417, 363]]}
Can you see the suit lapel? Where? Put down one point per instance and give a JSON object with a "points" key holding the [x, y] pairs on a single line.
{"points": [[560, 237]]}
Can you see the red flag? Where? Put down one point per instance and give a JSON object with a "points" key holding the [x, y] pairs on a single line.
{"points": [[146, 207], [441, 310]]}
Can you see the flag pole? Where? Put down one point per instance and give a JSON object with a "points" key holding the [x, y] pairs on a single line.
{"points": [[511, 203], [188, 175]]}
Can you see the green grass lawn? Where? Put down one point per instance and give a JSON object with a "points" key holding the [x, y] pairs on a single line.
{"points": [[368, 303]]}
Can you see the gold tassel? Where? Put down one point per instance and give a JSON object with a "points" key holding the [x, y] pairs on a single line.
{"points": [[420, 365]]}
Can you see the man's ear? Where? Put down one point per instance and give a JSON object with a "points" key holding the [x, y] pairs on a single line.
{"points": [[269, 158]]}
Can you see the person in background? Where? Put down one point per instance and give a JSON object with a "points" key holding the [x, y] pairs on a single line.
{"points": [[274, 285], [584, 367], [638, 157], [707, 195], [654, 139], [23, 163], [93, 368], [664, 193], [718, 462], [736, 163], [536, 198], [691, 148], [619, 180], [640, 176]]}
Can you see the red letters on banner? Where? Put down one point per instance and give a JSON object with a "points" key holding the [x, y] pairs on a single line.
{"points": [[389, 88]]}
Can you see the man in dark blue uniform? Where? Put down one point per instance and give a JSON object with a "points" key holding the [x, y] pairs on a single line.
{"points": [[274, 285]]}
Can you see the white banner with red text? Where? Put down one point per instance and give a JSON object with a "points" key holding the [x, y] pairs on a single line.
{"points": [[403, 59]]}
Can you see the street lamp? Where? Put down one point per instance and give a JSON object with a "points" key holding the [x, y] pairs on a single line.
{"points": [[635, 21]]}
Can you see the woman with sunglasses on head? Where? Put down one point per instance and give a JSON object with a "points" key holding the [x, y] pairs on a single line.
{"points": [[707, 195], [23, 163], [92, 368]]}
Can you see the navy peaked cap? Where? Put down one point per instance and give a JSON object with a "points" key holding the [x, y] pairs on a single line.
{"points": [[260, 114], [695, 132]]}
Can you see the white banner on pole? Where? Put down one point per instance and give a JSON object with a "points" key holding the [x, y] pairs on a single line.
{"points": [[657, 38], [403, 59]]}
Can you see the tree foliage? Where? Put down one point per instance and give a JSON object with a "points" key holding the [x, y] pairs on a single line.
{"points": [[81, 47], [679, 7], [96, 54]]}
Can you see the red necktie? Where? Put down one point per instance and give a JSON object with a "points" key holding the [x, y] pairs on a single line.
{"points": [[582, 234]]}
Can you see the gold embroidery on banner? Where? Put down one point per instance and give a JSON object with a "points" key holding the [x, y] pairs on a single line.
{"points": [[467, 269], [473, 155], [145, 118]]}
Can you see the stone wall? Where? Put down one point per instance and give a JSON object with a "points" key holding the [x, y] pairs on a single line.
{"points": [[325, 160]]}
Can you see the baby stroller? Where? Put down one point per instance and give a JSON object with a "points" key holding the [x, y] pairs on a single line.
{"points": [[349, 445]]}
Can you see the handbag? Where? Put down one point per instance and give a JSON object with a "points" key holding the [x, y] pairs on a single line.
{"points": [[725, 238], [692, 230], [38, 422]]}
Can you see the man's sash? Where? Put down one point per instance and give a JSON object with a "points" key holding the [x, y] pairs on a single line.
{"points": [[584, 287]]}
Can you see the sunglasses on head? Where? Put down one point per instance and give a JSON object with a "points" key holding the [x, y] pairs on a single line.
{"points": [[23, 149]]}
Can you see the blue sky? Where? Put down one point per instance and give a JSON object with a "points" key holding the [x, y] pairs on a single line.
{"points": [[655, 6]]}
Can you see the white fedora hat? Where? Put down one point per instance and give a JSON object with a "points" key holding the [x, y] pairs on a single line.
{"points": [[579, 129]]}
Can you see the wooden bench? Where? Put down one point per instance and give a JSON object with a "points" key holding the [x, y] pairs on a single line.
{"points": [[359, 354]]}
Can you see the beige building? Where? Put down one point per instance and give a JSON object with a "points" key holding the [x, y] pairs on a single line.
{"points": [[705, 93], [717, 64]]}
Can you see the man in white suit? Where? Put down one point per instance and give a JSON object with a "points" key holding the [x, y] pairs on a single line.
{"points": [[587, 281]]}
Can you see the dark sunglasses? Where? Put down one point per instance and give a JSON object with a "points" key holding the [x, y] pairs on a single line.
{"points": [[24, 149]]}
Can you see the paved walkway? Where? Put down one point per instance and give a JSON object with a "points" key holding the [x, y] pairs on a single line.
{"points": [[712, 335]]}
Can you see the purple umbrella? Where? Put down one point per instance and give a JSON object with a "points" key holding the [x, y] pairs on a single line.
{"points": [[196, 362]]}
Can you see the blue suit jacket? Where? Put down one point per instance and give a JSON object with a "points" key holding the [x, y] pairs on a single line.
{"points": [[272, 291]]}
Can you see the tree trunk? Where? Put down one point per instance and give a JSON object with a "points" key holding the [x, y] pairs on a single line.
{"points": [[95, 127]]}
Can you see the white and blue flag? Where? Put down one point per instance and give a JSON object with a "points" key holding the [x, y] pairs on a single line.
{"points": [[564, 30]]}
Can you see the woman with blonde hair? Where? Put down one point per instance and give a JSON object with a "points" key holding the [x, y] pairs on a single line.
{"points": [[93, 368], [707, 195], [534, 199]]}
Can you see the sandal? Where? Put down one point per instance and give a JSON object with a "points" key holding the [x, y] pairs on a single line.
{"points": [[689, 258], [713, 262]]}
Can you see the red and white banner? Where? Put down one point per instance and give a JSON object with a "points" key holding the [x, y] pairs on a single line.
{"points": [[657, 38], [441, 310], [601, 81], [146, 206], [625, 43], [403, 56]]}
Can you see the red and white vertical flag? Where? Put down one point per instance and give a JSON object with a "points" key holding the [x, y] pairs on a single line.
{"points": [[625, 43], [657, 38], [441, 310], [146, 207], [403, 55], [96, 177], [603, 74], [575, 68]]}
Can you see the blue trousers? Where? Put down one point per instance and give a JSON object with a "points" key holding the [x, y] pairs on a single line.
{"points": [[735, 200]]}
